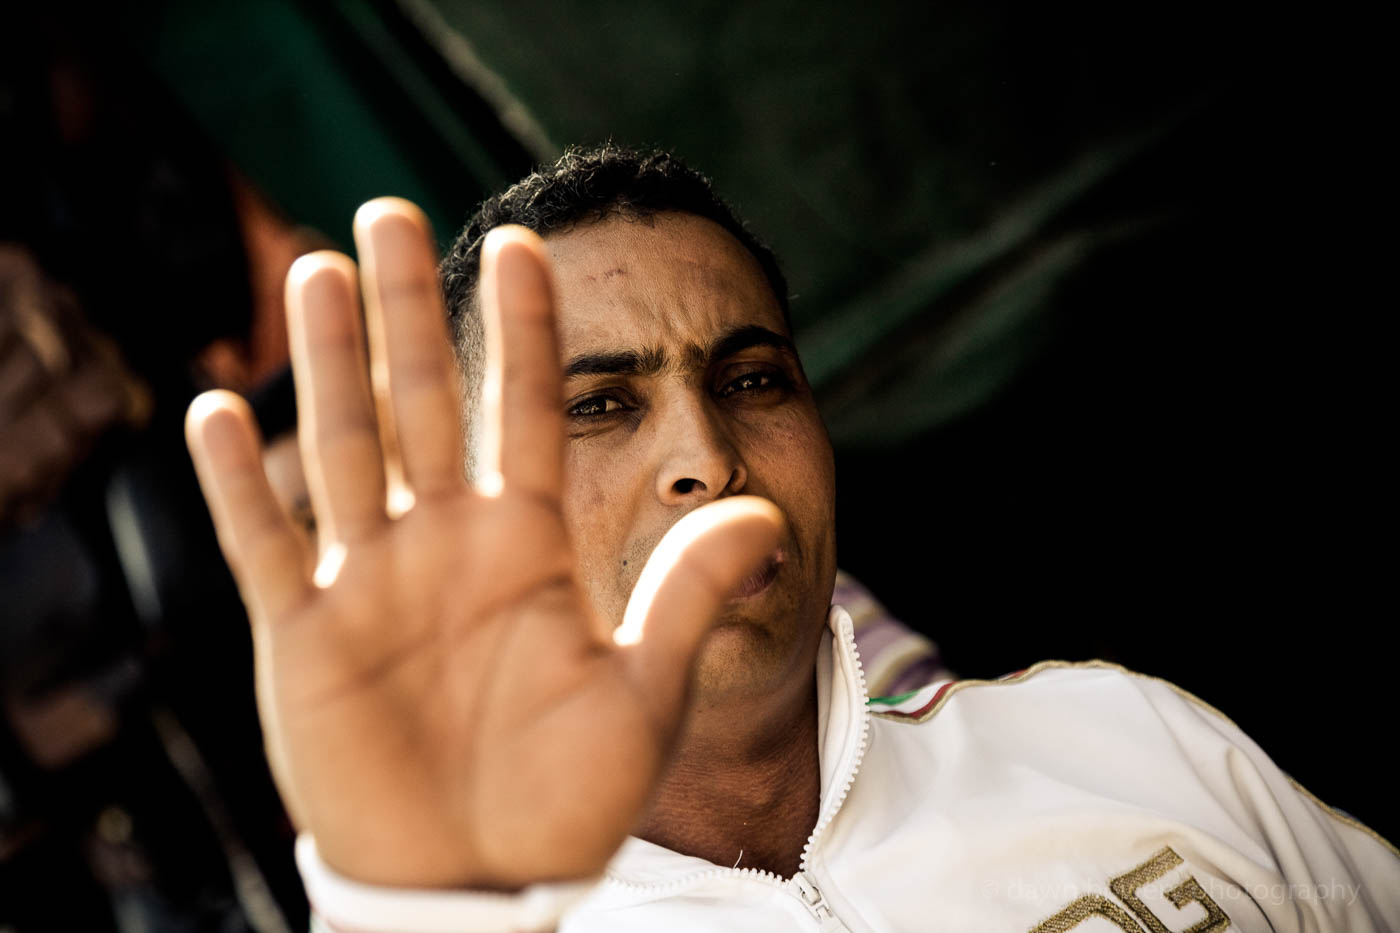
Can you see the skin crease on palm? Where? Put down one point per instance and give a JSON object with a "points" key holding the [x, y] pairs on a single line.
{"points": [[712, 404]]}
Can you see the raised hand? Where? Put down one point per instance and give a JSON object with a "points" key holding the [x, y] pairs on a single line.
{"points": [[441, 706]]}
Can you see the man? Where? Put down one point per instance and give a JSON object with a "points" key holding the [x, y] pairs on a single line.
{"points": [[619, 633]]}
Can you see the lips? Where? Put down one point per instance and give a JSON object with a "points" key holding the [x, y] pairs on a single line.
{"points": [[760, 579]]}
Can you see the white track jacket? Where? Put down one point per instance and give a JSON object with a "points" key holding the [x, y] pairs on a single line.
{"points": [[1065, 797]]}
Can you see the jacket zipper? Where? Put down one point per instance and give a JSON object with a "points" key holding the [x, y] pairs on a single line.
{"points": [[808, 892], [817, 906], [801, 885]]}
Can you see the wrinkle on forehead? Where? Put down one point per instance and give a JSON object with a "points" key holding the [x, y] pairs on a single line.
{"points": [[670, 285]]}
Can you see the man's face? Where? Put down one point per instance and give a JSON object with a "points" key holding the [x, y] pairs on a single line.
{"points": [[681, 386]]}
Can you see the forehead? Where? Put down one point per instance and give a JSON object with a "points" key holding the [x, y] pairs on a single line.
{"points": [[665, 281]]}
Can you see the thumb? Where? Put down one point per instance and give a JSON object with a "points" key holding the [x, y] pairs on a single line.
{"points": [[688, 578]]}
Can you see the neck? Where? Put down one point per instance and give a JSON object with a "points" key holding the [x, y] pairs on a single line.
{"points": [[745, 796]]}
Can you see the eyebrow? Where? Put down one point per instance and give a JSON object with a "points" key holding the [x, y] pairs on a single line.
{"points": [[744, 337], [616, 363], [652, 360]]}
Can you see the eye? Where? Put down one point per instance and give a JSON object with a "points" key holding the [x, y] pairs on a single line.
{"points": [[595, 406], [754, 383]]}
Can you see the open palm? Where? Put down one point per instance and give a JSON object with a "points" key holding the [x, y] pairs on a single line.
{"points": [[442, 707]]}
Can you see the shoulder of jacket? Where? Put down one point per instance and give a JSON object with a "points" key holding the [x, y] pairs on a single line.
{"points": [[924, 704], [1058, 698]]}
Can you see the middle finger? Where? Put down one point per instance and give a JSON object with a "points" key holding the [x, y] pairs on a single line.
{"points": [[412, 360]]}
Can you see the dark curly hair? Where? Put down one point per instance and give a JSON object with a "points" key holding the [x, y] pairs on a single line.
{"points": [[584, 186]]}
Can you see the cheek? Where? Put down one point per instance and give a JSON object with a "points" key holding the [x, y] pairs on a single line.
{"points": [[795, 456], [598, 509], [585, 493]]}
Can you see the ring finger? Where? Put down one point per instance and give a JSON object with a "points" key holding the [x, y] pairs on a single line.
{"points": [[337, 432]]}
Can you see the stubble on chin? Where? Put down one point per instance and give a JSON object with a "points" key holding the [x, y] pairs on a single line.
{"points": [[756, 647]]}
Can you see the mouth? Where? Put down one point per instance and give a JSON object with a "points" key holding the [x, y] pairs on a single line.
{"points": [[761, 579]]}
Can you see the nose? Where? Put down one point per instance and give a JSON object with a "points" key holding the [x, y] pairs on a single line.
{"points": [[699, 461]]}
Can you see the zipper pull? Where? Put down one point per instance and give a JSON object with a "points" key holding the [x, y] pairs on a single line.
{"points": [[817, 906]]}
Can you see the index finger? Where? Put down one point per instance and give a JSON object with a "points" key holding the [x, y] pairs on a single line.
{"points": [[522, 393]]}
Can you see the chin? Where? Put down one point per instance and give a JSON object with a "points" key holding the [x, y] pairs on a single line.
{"points": [[744, 655], [736, 659]]}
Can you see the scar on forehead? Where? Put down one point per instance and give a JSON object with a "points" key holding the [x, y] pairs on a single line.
{"points": [[610, 273]]}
